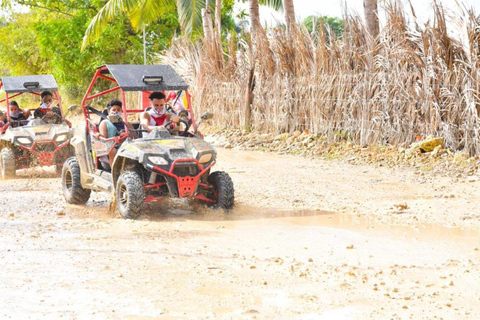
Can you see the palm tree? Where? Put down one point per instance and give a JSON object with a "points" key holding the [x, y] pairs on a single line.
{"points": [[289, 14], [218, 17], [142, 12], [371, 17], [254, 16], [258, 38], [255, 13], [207, 23]]}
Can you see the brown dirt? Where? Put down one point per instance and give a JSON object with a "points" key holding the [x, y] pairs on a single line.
{"points": [[308, 239]]}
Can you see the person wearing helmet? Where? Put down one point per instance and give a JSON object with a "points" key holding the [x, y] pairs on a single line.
{"points": [[175, 102], [156, 115]]}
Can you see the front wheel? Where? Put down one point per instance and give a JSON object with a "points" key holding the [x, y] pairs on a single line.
{"points": [[223, 192], [7, 163], [72, 187], [130, 194]]}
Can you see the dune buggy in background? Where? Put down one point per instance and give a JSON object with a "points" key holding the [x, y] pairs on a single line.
{"points": [[161, 164], [32, 142]]}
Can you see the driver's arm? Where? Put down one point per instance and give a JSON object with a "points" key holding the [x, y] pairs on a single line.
{"points": [[37, 114], [145, 122], [58, 112], [176, 119], [171, 117]]}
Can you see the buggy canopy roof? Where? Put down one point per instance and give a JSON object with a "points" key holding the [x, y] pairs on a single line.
{"points": [[146, 77], [35, 83]]}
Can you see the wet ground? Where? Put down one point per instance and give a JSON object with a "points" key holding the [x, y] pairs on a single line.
{"points": [[308, 240]]}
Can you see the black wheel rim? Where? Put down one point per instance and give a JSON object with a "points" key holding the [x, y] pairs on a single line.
{"points": [[123, 195], [68, 180]]}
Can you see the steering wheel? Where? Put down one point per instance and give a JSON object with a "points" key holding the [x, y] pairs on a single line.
{"points": [[183, 120], [55, 118]]}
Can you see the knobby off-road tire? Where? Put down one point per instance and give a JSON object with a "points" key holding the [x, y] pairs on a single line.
{"points": [[129, 194], [71, 185], [223, 190], [7, 163]]}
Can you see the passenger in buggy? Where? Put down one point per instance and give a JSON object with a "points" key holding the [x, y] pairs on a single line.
{"points": [[111, 127], [3, 120], [18, 117]]}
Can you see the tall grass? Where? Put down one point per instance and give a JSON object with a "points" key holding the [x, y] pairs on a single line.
{"points": [[411, 80]]}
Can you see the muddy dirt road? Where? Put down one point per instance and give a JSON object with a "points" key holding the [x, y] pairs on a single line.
{"points": [[307, 240]]}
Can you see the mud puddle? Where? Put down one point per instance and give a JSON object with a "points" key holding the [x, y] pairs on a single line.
{"points": [[174, 210]]}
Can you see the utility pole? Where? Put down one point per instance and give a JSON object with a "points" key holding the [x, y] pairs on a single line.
{"points": [[144, 47]]}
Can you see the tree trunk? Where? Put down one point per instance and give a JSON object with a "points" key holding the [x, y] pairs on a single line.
{"points": [[207, 24], [249, 98], [289, 14], [254, 32], [254, 17], [371, 17], [218, 34], [218, 18]]}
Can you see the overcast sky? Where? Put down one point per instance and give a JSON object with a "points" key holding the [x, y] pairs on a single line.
{"points": [[333, 8]]}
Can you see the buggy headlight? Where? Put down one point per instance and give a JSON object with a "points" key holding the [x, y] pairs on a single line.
{"points": [[159, 161], [204, 158], [61, 137], [24, 140]]}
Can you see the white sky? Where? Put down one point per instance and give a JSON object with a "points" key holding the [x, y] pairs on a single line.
{"points": [[333, 8]]}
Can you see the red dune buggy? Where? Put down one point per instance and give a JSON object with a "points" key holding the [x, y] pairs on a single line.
{"points": [[32, 142], [163, 163]]}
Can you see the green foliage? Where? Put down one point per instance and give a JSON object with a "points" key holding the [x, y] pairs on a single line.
{"points": [[274, 4], [48, 41], [313, 23], [228, 22], [47, 38], [58, 42], [18, 54]]}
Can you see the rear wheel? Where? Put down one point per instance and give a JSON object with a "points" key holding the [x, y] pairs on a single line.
{"points": [[223, 191], [129, 194], [71, 184], [7, 163]]}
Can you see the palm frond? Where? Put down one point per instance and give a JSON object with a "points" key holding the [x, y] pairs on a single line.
{"points": [[274, 4], [190, 14], [148, 11], [106, 15]]}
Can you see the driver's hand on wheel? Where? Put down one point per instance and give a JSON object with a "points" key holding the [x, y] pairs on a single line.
{"points": [[176, 119]]}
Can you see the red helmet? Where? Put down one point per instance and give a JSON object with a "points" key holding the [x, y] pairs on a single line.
{"points": [[171, 95]]}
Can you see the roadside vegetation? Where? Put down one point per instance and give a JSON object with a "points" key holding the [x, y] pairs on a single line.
{"points": [[411, 81], [324, 76]]}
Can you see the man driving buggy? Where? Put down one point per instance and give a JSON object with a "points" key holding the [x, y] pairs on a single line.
{"points": [[156, 115], [47, 112]]}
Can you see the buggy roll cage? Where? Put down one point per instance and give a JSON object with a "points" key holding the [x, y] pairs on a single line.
{"points": [[34, 84], [133, 78]]}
